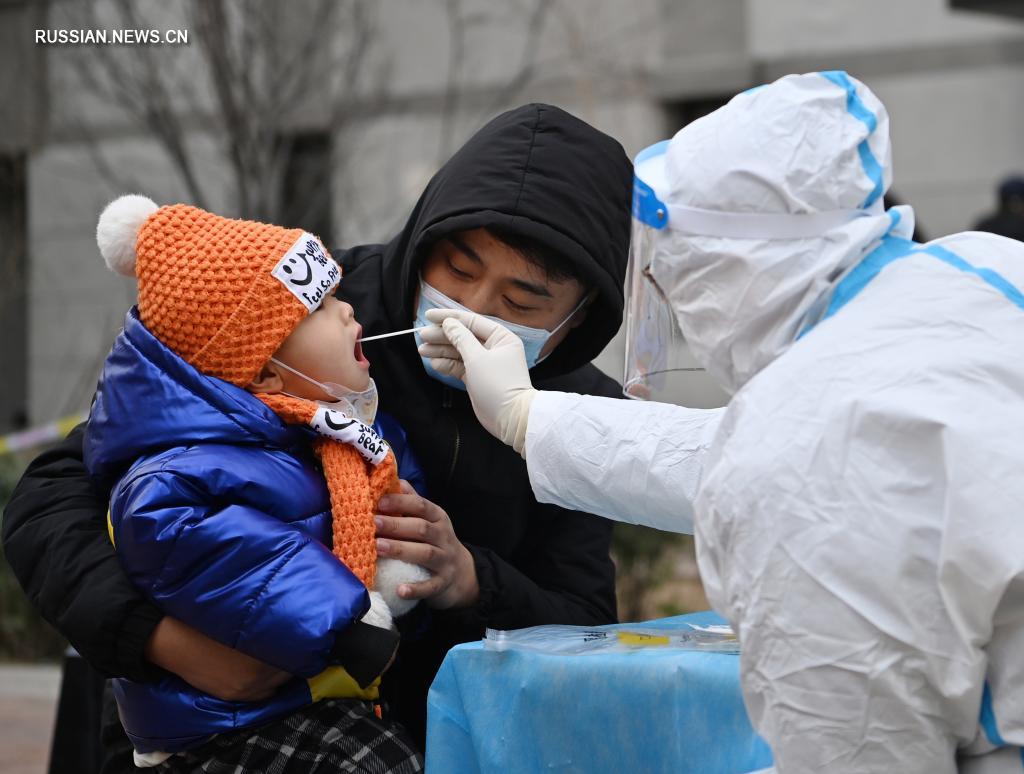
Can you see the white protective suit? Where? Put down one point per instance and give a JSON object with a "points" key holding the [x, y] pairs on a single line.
{"points": [[860, 503]]}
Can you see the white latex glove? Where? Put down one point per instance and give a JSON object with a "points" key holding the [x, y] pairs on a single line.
{"points": [[489, 358]]}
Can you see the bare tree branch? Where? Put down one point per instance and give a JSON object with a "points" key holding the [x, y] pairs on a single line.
{"points": [[146, 99], [527, 60], [351, 64], [456, 58], [212, 24], [159, 112]]}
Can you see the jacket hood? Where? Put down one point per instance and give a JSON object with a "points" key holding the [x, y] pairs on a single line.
{"points": [[149, 399], [542, 173], [808, 153]]}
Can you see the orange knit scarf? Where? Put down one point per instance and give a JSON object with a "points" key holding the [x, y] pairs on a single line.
{"points": [[354, 484]]}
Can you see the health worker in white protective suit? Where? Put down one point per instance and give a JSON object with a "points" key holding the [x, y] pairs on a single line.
{"points": [[859, 504]]}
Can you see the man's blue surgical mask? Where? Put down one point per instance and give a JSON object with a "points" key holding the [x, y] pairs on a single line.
{"points": [[533, 339]]}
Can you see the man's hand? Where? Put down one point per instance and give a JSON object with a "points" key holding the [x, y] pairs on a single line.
{"points": [[417, 531], [210, 666], [490, 360]]}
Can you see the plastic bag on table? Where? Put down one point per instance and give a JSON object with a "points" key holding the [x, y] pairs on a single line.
{"points": [[581, 640]]}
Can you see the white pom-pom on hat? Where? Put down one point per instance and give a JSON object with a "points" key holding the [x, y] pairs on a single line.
{"points": [[118, 229]]}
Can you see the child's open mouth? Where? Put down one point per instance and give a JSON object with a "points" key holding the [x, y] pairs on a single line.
{"points": [[357, 350]]}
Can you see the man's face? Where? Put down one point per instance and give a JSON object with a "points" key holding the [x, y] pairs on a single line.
{"points": [[489, 277]]}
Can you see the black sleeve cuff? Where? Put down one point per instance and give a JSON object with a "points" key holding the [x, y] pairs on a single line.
{"points": [[466, 624], [487, 581], [365, 651], [130, 644]]}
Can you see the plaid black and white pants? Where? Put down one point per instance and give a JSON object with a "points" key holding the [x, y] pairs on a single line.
{"points": [[336, 735]]}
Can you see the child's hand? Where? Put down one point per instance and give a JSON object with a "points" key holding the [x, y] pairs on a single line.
{"points": [[210, 666], [419, 532]]}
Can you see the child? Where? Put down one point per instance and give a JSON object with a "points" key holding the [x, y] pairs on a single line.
{"points": [[231, 463]]}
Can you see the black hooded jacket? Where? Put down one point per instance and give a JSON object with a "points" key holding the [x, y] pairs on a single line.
{"points": [[536, 171]]}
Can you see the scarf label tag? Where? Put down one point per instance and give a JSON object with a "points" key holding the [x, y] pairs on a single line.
{"points": [[340, 426]]}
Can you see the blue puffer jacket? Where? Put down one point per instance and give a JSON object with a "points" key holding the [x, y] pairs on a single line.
{"points": [[221, 516]]}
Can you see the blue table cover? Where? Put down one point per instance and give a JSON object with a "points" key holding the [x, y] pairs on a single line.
{"points": [[648, 710]]}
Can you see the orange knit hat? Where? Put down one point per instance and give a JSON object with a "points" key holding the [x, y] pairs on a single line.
{"points": [[223, 294]]}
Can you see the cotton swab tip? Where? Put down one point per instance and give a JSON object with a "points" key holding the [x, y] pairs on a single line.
{"points": [[395, 333]]}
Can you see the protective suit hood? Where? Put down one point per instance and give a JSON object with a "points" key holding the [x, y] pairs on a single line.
{"points": [[809, 150]]}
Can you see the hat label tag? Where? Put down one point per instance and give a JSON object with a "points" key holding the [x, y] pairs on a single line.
{"points": [[308, 271]]}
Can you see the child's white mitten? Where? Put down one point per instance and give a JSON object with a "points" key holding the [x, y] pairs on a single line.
{"points": [[392, 573]]}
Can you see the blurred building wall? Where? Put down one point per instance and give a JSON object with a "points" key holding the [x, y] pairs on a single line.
{"points": [[953, 83]]}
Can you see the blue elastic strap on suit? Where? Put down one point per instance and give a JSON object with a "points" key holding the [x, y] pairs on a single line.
{"points": [[859, 110], [993, 278], [861, 275], [988, 719], [647, 207], [894, 248]]}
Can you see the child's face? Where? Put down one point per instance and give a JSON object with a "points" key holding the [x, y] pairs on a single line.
{"points": [[324, 347]]}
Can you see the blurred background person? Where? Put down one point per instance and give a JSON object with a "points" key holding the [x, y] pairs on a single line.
{"points": [[1008, 219]]}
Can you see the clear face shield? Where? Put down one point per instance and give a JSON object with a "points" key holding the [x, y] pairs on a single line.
{"points": [[659, 365]]}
